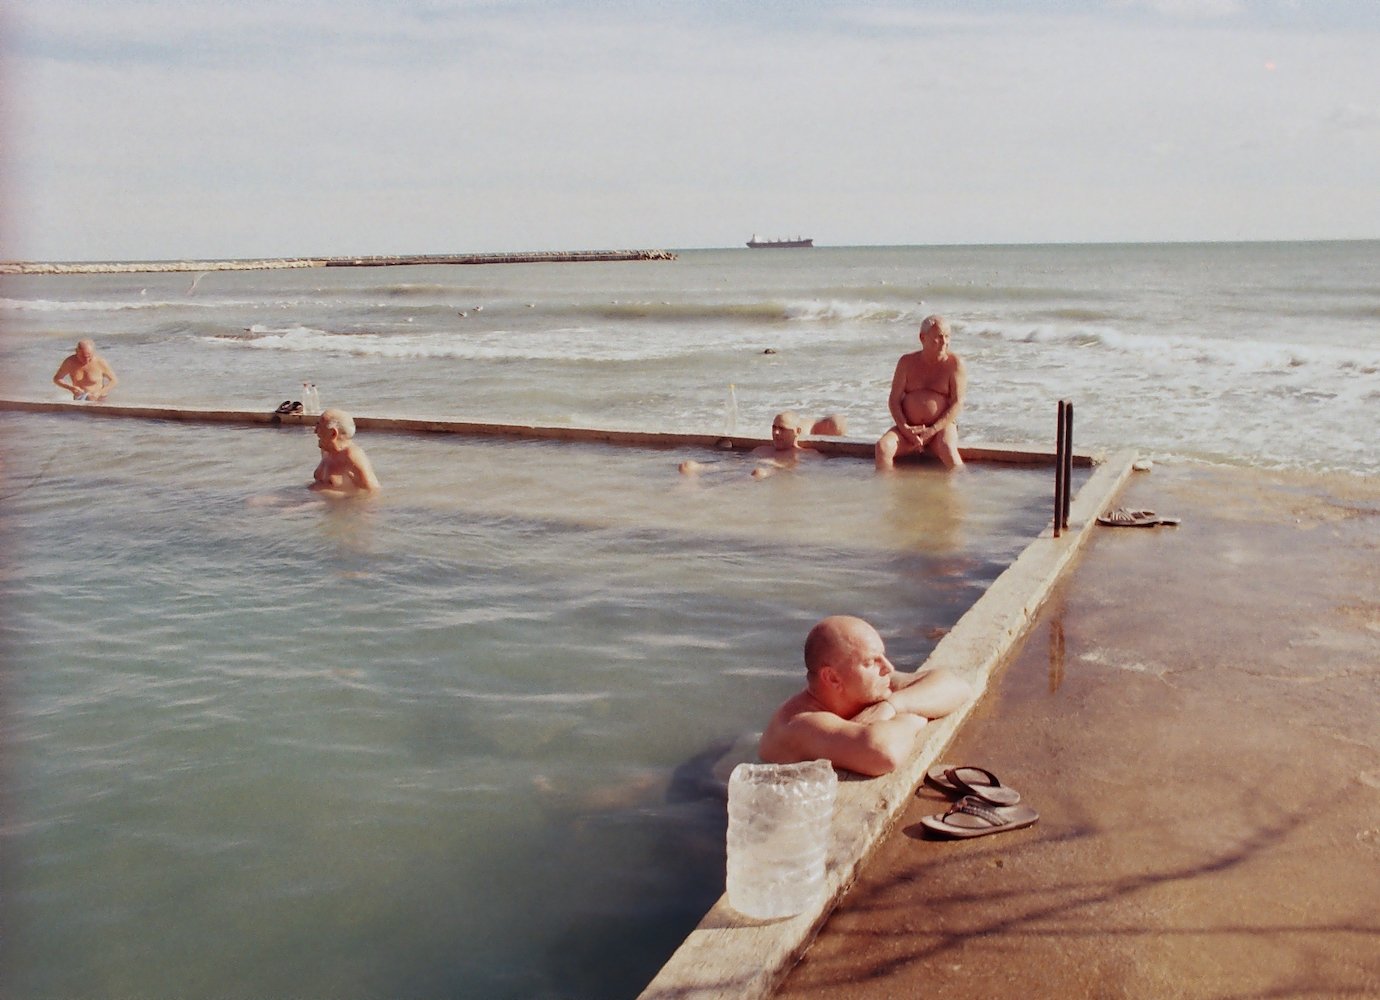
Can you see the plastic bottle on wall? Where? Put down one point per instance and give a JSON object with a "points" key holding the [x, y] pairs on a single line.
{"points": [[731, 410], [779, 818]]}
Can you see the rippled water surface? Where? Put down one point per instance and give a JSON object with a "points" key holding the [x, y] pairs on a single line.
{"points": [[451, 743], [1197, 350]]}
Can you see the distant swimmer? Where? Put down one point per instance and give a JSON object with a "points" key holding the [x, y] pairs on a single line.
{"points": [[785, 448], [857, 710], [344, 469], [926, 396], [832, 425], [90, 378]]}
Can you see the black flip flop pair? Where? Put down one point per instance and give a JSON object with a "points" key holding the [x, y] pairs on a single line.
{"points": [[984, 804], [289, 406]]}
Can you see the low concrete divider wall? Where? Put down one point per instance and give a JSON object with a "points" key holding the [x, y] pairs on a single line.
{"points": [[854, 447]]}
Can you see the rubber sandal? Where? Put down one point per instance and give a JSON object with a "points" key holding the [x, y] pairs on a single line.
{"points": [[1124, 518], [972, 817], [284, 407], [956, 782]]}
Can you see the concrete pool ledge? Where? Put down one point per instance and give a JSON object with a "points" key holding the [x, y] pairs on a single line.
{"points": [[729, 955], [849, 446]]}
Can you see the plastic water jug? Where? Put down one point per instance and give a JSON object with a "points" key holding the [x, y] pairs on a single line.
{"points": [[778, 836]]}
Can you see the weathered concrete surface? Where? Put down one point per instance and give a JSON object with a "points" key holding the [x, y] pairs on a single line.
{"points": [[1194, 716], [729, 955]]}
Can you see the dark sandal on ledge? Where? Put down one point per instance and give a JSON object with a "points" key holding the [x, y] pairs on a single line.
{"points": [[956, 782]]}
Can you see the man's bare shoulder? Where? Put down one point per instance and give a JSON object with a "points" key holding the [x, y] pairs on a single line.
{"points": [[796, 731], [800, 703], [798, 713]]}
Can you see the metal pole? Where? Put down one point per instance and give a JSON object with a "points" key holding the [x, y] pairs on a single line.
{"points": [[1068, 459], [1059, 471]]}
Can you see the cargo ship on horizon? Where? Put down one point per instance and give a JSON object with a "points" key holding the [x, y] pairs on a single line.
{"points": [[799, 241]]}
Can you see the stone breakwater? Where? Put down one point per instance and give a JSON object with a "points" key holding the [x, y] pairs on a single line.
{"points": [[127, 267]]}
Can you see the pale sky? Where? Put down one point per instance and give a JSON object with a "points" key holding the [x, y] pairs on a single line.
{"points": [[149, 129]]}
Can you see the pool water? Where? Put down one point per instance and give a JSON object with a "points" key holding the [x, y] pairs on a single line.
{"points": [[452, 742]]}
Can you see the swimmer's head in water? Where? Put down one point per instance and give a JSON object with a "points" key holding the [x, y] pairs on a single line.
{"points": [[785, 429]]}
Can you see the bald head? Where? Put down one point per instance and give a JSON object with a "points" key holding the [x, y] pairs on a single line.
{"points": [[833, 639]]}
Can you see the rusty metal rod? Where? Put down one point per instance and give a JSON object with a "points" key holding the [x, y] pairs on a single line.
{"points": [[1059, 459], [1067, 470]]}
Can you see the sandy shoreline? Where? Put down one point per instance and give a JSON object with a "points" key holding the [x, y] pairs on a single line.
{"points": [[1193, 714]]}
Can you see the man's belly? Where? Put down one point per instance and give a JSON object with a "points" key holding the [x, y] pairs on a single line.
{"points": [[923, 406]]}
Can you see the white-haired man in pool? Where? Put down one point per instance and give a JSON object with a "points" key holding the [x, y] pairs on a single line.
{"points": [[857, 709], [344, 469], [926, 396]]}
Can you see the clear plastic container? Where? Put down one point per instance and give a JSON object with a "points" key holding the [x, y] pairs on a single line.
{"points": [[731, 410], [779, 817]]}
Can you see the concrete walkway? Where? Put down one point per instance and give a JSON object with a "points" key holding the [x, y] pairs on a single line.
{"points": [[1194, 713]]}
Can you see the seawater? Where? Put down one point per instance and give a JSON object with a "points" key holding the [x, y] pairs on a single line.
{"points": [[1259, 353], [456, 742]]}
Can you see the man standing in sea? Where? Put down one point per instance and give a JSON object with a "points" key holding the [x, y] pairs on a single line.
{"points": [[926, 395], [344, 469], [89, 377]]}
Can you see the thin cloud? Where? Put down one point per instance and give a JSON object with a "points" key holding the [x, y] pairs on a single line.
{"points": [[140, 129]]}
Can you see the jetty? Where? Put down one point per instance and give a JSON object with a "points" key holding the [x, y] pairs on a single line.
{"points": [[388, 260]]}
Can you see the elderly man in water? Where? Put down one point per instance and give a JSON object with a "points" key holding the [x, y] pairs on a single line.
{"points": [[89, 377], [344, 469], [857, 710], [926, 395]]}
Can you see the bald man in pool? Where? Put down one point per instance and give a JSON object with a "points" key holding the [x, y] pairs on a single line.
{"points": [[344, 469], [857, 710], [89, 377], [785, 448]]}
